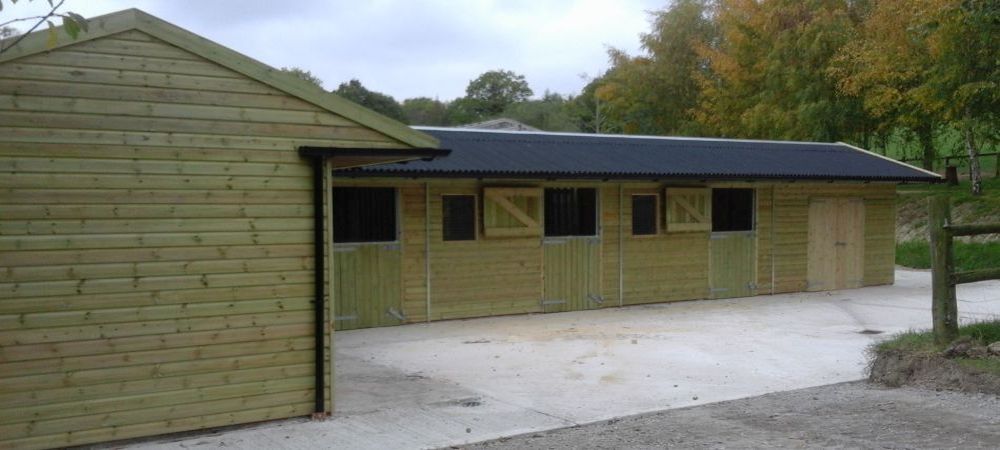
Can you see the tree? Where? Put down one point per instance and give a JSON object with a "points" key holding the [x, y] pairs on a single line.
{"points": [[883, 65], [461, 111], [655, 93], [303, 74], [425, 111], [963, 83], [552, 112], [493, 91], [769, 71], [591, 113], [381, 103], [72, 24]]}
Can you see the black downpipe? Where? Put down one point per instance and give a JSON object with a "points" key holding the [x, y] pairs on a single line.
{"points": [[320, 287]]}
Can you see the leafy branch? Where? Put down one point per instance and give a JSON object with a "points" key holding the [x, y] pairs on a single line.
{"points": [[72, 24]]}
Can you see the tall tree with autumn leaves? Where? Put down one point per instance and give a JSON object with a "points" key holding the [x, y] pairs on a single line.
{"points": [[768, 74], [656, 92], [920, 63], [851, 70]]}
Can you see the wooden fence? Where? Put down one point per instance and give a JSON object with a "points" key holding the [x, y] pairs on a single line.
{"points": [[944, 277], [948, 160]]}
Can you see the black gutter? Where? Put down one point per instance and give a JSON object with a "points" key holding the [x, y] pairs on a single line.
{"points": [[319, 288], [318, 156], [360, 173], [425, 154]]}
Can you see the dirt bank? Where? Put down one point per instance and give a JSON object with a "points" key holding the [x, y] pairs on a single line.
{"points": [[895, 368]]}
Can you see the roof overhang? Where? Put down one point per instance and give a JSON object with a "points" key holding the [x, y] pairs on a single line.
{"points": [[343, 158], [607, 176]]}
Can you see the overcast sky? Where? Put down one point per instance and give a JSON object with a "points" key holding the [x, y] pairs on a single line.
{"points": [[407, 49]]}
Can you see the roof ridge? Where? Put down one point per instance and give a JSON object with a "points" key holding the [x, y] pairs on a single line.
{"points": [[613, 136], [136, 19]]}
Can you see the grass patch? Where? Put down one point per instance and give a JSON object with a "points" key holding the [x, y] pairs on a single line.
{"points": [[922, 342], [991, 365], [968, 255]]}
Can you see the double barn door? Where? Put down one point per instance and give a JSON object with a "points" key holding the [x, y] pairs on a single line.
{"points": [[836, 253]]}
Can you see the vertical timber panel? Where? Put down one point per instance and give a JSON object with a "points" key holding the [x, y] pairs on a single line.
{"points": [[572, 273], [733, 262]]}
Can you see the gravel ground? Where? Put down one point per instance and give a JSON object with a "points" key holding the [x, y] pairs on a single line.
{"points": [[846, 415]]}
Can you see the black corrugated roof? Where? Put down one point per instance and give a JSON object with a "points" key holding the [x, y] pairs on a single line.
{"points": [[509, 154]]}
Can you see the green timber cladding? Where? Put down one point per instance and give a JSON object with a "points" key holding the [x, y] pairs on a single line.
{"points": [[718, 218], [527, 272], [157, 234]]}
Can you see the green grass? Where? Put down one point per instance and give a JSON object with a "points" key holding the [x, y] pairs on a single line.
{"points": [[968, 256], [991, 365], [922, 342]]}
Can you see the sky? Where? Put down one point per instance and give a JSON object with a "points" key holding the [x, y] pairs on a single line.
{"points": [[415, 48]]}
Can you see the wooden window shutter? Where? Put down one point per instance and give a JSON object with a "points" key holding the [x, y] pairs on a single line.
{"points": [[512, 212], [689, 209]]}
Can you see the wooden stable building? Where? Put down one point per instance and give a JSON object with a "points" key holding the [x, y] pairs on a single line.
{"points": [[182, 227], [528, 222], [159, 233]]}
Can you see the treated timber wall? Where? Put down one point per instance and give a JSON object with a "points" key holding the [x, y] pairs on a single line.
{"points": [[791, 231], [662, 267], [155, 243], [495, 276]]}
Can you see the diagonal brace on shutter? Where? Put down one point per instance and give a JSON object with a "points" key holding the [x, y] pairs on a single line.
{"points": [[511, 208], [695, 214]]}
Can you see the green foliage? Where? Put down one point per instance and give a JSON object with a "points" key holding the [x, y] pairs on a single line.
{"points": [[425, 111], [551, 113], [968, 255], [303, 74], [462, 111], [493, 91], [655, 93], [72, 24], [591, 113], [376, 101], [768, 75]]}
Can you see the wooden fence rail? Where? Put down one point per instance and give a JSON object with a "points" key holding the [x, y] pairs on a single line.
{"points": [[944, 278]]}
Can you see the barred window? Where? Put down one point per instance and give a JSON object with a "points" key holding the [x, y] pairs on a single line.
{"points": [[363, 214], [570, 212], [732, 209], [644, 214], [458, 217]]}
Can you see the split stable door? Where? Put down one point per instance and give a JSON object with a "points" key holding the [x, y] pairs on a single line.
{"points": [[836, 253], [732, 243], [366, 258], [572, 250]]}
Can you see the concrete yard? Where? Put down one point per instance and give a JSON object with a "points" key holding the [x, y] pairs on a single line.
{"points": [[456, 382]]}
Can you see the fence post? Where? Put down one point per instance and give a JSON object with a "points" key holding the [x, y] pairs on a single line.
{"points": [[944, 309]]}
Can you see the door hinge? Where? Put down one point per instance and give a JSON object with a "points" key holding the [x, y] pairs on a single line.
{"points": [[553, 302], [596, 299], [343, 318], [395, 313]]}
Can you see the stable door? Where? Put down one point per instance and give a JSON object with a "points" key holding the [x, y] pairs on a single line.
{"points": [[733, 243], [366, 258], [836, 253], [572, 250]]}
